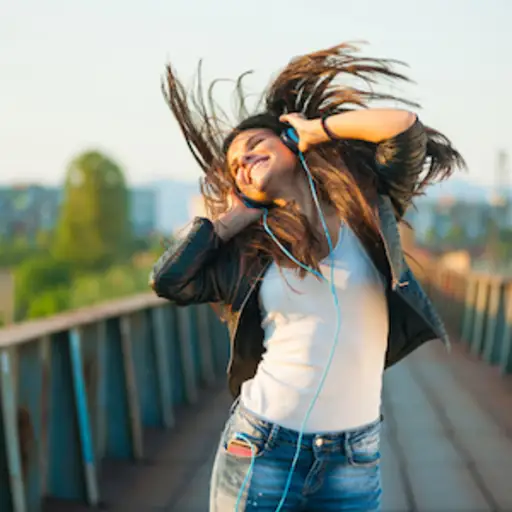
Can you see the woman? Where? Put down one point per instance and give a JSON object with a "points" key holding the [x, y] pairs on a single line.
{"points": [[302, 252]]}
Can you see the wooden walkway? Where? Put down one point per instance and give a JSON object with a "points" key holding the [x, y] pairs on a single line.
{"points": [[447, 444]]}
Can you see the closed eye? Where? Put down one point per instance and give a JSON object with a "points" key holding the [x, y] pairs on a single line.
{"points": [[255, 143]]}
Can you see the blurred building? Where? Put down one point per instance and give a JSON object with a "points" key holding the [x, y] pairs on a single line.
{"points": [[26, 210], [143, 210], [173, 204], [436, 220]]}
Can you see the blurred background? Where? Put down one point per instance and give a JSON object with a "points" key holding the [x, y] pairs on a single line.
{"points": [[95, 179], [94, 172]]}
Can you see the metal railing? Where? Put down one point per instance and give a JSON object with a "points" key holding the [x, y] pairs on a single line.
{"points": [[477, 309], [79, 388]]}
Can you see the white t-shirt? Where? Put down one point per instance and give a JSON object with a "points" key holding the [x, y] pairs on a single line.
{"points": [[299, 321]]}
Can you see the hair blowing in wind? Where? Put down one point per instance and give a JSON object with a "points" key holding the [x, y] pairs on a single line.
{"points": [[346, 172]]}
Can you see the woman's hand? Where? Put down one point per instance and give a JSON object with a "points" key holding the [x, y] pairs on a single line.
{"points": [[237, 218], [310, 131]]}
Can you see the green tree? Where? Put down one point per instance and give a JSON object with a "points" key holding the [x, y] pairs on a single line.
{"points": [[94, 227], [116, 282], [35, 280], [456, 236], [49, 302], [13, 250]]}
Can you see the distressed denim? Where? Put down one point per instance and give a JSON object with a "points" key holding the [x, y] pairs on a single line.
{"points": [[337, 471]]}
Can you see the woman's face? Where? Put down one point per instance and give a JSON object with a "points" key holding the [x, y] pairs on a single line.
{"points": [[261, 164]]}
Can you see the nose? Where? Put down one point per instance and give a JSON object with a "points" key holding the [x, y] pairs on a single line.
{"points": [[244, 162], [247, 159]]}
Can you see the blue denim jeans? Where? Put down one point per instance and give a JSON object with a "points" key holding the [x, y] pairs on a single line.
{"points": [[338, 471]]}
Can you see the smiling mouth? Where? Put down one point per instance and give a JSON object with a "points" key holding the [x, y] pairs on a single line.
{"points": [[254, 165]]}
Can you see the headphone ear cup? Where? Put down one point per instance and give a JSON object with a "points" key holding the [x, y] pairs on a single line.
{"points": [[290, 139]]}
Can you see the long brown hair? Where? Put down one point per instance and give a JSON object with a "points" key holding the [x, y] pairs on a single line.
{"points": [[345, 173]]}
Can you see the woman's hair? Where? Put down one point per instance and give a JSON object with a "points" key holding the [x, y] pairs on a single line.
{"points": [[345, 172]]}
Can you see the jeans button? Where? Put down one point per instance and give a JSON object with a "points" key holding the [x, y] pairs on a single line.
{"points": [[319, 442]]}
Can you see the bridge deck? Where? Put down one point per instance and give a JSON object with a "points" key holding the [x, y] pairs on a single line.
{"points": [[447, 444]]}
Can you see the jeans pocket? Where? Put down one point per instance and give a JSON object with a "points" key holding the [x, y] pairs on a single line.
{"points": [[364, 447], [243, 430]]}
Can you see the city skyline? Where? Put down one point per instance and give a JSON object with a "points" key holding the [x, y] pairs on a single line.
{"points": [[87, 76]]}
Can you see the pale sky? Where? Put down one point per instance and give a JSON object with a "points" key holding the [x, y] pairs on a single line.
{"points": [[76, 75]]}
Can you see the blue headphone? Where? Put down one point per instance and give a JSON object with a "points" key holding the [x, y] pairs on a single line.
{"points": [[290, 139]]}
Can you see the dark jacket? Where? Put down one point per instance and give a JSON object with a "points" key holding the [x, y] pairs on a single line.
{"points": [[201, 268]]}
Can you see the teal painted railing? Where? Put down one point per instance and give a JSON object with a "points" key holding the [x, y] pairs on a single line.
{"points": [[477, 309], [81, 387]]}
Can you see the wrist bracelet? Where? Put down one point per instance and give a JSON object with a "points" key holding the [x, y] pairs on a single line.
{"points": [[326, 129]]}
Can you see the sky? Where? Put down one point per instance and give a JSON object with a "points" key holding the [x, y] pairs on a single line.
{"points": [[86, 75]]}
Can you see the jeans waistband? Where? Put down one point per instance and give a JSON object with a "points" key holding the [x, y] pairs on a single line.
{"points": [[289, 435]]}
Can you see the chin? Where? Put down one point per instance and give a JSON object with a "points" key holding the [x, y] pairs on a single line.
{"points": [[256, 194], [265, 181]]}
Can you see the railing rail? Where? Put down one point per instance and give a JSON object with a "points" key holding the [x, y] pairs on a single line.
{"points": [[477, 308], [80, 388]]}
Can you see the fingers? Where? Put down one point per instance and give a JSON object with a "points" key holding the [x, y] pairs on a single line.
{"points": [[289, 118], [298, 122]]}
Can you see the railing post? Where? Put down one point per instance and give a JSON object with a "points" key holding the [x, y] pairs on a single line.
{"points": [[205, 344], [46, 362], [495, 321], [101, 390], [131, 387], [119, 438], [221, 340], [32, 399], [71, 473], [14, 495], [506, 345], [82, 413], [162, 344], [469, 309], [187, 358], [482, 302], [145, 363]]}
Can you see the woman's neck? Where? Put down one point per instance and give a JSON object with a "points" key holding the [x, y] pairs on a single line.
{"points": [[300, 193]]}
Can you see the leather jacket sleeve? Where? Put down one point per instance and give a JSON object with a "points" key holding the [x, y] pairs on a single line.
{"points": [[191, 270], [400, 162]]}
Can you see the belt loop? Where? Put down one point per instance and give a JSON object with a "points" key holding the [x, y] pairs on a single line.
{"points": [[274, 434]]}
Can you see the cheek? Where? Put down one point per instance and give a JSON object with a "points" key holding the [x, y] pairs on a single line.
{"points": [[287, 161]]}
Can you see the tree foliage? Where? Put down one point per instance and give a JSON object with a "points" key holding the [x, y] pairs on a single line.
{"points": [[35, 279], [94, 228], [91, 255]]}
